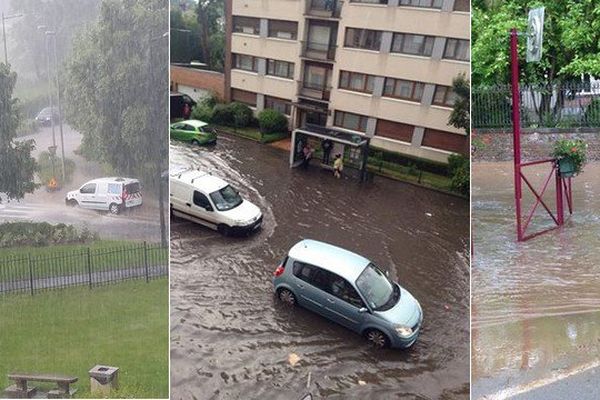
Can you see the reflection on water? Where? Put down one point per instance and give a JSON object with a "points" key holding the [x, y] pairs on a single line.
{"points": [[231, 339], [536, 305]]}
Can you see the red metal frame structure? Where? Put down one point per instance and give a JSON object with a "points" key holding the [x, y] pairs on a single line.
{"points": [[563, 184]]}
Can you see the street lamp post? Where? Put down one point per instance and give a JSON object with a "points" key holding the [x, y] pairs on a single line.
{"points": [[4, 18], [60, 124], [43, 28]]}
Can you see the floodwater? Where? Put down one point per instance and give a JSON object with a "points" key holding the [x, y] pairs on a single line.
{"points": [[231, 338], [536, 304], [140, 223]]}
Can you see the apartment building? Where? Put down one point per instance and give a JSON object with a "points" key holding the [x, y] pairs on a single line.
{"points": [[380, 68]]}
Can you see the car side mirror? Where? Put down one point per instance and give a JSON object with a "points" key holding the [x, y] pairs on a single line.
{"points": [[387, 273], [363, 310], [208, 207]]}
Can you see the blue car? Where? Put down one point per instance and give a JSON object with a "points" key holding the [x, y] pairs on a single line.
{"points": [[349, 289]]}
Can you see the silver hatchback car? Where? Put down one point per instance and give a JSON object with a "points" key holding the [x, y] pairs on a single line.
{"points": [[350, 290]]}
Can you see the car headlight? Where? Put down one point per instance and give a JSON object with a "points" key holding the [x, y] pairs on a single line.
{"points": [[404, 331]]}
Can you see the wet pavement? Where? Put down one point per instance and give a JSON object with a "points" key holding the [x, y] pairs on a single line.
{"points": [[231, 338], [140, 223], [536, 305]]}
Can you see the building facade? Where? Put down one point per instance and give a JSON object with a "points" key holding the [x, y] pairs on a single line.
{"points": [[381, 68]]}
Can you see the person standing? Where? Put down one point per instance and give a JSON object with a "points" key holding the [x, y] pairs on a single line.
{"points": [[326, 145], [307, 152], [338, 166]]}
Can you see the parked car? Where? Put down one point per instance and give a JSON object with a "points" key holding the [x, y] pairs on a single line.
{"points": [[194, 132], [110, 194], [349, 289], [45, 116], [210, 201], [177, 107]]}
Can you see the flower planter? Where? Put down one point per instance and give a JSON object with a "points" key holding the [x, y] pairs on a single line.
{"points": [[566, 167]]}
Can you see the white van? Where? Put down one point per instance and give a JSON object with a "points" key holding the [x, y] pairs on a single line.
{"points": [[210, 201], [111, 194]]}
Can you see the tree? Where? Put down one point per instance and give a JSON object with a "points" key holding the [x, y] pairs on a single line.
{"points": [[17, 166], [460, 117], [212, 38], [117, 89]]}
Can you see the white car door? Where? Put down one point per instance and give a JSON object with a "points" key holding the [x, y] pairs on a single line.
{"points": [[202, 208], [87, 195]]}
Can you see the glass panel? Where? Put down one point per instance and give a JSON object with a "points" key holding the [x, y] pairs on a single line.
{"points": [[357, 81], [418, 92], [318, 37], [370, 83], [388, 90], [403, 89], [344, 79]]}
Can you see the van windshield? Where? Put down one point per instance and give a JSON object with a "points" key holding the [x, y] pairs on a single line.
{"points": [[380, 293], [226, 198], [133, 187]]}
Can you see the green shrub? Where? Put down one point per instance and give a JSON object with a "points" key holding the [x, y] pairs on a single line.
{"points": [[242, 114], [28, 127], [272, 121], [459, 166], [573, 149], [45, 161], [14, 234], [592, 114], [222, 115], [210, 100], [202, 112]]}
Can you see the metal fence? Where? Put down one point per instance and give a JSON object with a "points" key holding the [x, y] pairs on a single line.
{"points": [[90, 267], [567, 105]]}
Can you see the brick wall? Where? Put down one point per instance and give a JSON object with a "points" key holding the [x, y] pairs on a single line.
{"points": [[498, 146], [200, 79]]}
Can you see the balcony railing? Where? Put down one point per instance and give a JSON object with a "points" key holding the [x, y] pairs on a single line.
{"points": [[324, 8], [318, 51], [313, 90]]}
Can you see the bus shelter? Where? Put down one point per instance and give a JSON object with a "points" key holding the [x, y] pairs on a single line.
{"points": [[326, 143]]}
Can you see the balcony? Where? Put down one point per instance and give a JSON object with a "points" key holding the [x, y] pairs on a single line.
{"points": [[324, 8], [314, 91], [318, 51]]}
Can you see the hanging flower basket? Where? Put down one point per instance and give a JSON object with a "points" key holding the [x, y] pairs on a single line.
{"points": [[570, 155]]}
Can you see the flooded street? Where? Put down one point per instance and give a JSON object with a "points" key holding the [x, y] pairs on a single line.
{"points": [[231, 338], [141, 223], [536, 305]]}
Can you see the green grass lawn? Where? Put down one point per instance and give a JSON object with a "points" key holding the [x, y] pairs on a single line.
{"points": [[69, 331], [73, 258]]}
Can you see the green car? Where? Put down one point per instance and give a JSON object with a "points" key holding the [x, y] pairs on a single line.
{"points": [[193, 131]]}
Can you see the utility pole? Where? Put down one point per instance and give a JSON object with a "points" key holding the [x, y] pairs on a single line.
{"points": [[53, 152]]}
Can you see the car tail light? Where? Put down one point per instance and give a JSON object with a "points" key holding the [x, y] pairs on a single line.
{"points": [[279, 270]]}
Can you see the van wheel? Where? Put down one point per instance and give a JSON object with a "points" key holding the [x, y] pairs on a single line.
{"points": [[287, 297], [72, 203], [114, 208], [377, 338], [195, 142], [224, 230]]}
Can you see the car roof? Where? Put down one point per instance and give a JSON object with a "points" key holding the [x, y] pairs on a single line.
{"points": [[193, 122], [345, 263], [199, 179], [115, 179]]}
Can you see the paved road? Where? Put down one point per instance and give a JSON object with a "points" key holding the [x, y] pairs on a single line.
{"points": [[581, 386]]}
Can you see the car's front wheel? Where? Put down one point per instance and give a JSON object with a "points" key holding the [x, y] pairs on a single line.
{"points": [[195, 142], [287, 297], [377, 338], [72, 203], [224, 230]]}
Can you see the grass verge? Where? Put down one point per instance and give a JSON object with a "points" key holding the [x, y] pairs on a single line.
{"points": [[252, 134], [69, 331]]}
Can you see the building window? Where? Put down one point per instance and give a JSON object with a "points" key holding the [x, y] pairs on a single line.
{"points": [[370, 1], [412, 44], [394, 130], [448, 141], [402, 89], [317, 76], [282, 69], [422, 3], [243, 96], [356, 81], [457, 49], [462, 5], [247, 25], [443, 96], [363, 39], [281, 105], [351, 121], [283, 29], [247, 63]]}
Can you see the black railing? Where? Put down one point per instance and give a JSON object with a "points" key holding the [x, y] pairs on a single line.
{"points": [[314, 90], [87, 267], [324, 8], [318, 51], [565, 105]]}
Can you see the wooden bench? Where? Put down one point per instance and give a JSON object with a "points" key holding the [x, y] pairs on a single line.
{"points": [[21, 390]]}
